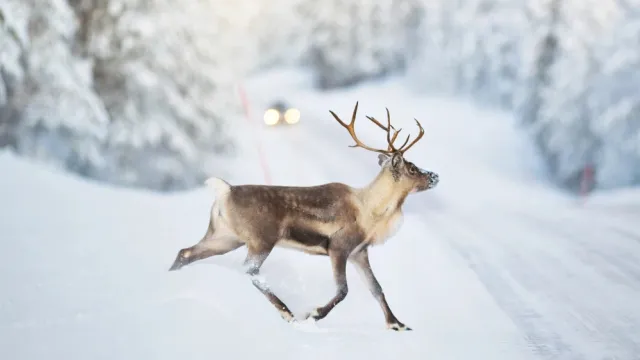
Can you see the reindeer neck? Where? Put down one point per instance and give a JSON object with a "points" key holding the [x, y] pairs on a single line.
{"points": [[383, 195]]}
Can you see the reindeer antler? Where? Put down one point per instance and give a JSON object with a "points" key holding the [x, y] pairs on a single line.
{"points": [[403, 149], [351, 129], [390, 138]]}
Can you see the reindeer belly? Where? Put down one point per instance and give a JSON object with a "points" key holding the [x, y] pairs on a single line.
{"points": [[307, 240], [385, 229]]}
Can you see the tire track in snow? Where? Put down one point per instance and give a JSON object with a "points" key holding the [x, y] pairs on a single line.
{"points": [[580, 278], [555, 286], [506, 291], [616, 259], [621, 256]]}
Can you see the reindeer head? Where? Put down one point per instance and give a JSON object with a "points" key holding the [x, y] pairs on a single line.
{"points": [[403, 172]]}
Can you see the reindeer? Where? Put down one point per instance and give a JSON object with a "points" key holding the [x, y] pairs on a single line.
{"points": [[334, 220]]}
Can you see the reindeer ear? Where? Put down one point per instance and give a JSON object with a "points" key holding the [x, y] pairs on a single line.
{"points": [[396, 160], [382, 158]]}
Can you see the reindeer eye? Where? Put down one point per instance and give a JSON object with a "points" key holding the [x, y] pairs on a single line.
{"points": [[412, 169]]}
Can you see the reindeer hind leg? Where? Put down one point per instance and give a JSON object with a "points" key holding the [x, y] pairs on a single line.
{"points": [[217, 241], [256, 255]]}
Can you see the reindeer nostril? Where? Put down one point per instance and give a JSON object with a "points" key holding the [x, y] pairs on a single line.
{"points": [[434, 178]]}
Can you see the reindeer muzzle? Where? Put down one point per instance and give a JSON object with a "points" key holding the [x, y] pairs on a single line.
{"points": [[433, 177]]}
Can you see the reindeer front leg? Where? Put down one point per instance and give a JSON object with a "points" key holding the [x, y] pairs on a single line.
{"points": [[339, 265], [361, 260]]}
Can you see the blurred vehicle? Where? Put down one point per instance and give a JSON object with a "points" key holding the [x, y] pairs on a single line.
{"points": [[281, 114]]}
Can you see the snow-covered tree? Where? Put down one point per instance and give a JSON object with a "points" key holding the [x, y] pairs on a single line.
{"points": [[471, 48], [562, 112], [167, 79], [614, 99], [354, 40], [12, 39], [489, 49], [433, 66], [57, 117], [277, 31], [565, 67], [539, 53], [130, 92]]}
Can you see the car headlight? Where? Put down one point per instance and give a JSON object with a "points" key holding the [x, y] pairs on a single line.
{"points": [[292, 116], [271, 116]]}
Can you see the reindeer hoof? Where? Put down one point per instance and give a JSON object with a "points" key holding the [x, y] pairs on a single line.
{"points": [[181, 260], [177, 265], [314, 315], [398, 327], [287, 316]]}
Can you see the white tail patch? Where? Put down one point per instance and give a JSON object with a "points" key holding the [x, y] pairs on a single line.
{"points": [[219, 186], [221, 189]]}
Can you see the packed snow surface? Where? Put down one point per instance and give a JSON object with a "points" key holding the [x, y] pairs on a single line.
{"points": [[491, 264]]}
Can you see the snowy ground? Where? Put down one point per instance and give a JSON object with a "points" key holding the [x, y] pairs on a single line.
{"points": [[489, 265]]}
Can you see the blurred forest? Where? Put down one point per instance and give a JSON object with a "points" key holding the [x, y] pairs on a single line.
{"points": [[142, 93]]}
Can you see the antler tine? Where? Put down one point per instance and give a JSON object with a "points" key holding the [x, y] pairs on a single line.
{"points": [[389, 141], [340, 121], [378, 123], [351, 129], [403, 149], [392, 140], [405, 142], [353, 116], [390, 148], [388, 128]]}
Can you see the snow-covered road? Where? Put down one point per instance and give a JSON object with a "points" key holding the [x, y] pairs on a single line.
{"points": [[490, 265]]}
